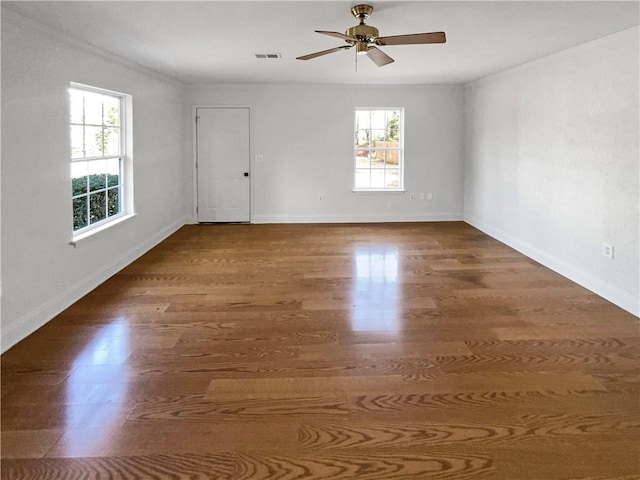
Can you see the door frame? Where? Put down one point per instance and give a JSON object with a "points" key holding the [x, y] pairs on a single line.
{"points": [[194, 149]]}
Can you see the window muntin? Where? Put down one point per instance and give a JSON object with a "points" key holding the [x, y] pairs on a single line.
{"points": [[378, 149], [97, 156]]}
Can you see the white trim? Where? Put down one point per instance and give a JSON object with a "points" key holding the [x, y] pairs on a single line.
{"points": [[194, 154], [41, 314], [574, 273], [90, 159], [96, 227], [359, 217], [101, 227], [101, 91], [377, 191]]}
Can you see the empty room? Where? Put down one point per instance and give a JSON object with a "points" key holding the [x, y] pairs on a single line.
{"points": [[320, 240]]}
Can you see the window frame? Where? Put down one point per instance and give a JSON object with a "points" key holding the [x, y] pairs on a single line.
{"points": [[399, 149], [123, 156]]}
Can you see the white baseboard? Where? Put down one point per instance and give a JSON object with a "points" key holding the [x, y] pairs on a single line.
{"points": [[574, 273], [358, 218], [40, 315]]}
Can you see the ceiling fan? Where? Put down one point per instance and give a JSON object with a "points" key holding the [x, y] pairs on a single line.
{"points": [[365, 38]]}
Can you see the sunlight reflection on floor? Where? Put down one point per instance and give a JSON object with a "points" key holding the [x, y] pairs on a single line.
{"points": [[376, 291], [96, 389]]}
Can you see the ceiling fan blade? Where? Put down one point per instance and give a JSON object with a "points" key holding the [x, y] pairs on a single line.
{"points": [[338, 35], [379, 57], [412, 39], [323, 52]]}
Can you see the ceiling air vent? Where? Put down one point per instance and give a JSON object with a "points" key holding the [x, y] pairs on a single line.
{"points": [[268, 55]]}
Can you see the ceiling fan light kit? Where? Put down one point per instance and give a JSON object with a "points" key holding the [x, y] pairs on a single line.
{"points": [[366, 39]]}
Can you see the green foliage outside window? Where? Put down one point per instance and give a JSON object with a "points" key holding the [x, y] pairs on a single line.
{"points": [[102, 191], [393, 128]]}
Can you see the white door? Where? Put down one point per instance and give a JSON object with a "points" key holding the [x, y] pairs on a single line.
{"points": [[223, 158]]}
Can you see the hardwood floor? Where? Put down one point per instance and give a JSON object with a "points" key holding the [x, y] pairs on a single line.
{"points": [[385, 351]]}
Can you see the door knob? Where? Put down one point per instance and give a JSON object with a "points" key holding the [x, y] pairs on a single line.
{"points": [[246, 174]]}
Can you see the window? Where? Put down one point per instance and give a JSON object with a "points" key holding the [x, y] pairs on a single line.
{"points": [[97, 156], [378, 149]]}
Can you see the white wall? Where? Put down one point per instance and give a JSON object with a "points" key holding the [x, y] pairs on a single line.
{"points": [[305, 133], [552, 163], [41, 273]]}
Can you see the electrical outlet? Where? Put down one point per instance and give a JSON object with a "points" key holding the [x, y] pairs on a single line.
{"points": [[320, 197], [259, 159], [412, 196], [607, 250]]}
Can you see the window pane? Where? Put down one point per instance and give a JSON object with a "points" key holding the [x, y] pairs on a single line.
{"points": [[377, 119], [377, 178], [113, 201], [392, 133], [97, 174], [362, 119], [93, 141], [97, 181], [76, 105], [79, 213], [79, 178], [111, 107], [362, 160], [111, 141], [97, 207], [362, 178], [392, 178], [378, 138], [92, 108], [113, 172], [362, 137], [77, 141], [392, 157], [377, 159]]}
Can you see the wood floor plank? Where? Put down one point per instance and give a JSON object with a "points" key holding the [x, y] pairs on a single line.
{"points": [[178, 436], [412, 436], [28, 443], [298, 387], [474, 405], [363, 466], [404, 350], [555, 332], [152, 467], [195, 408], [287, 387]]}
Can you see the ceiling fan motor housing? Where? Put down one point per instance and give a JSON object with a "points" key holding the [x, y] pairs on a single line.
{"points": [[364, 33]]}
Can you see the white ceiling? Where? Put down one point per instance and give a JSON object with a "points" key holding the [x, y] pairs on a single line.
{"points": [[206, 41]]}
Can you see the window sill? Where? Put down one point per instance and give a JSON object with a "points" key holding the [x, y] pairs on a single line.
{"points": [[91, 234], [377, 192]]}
